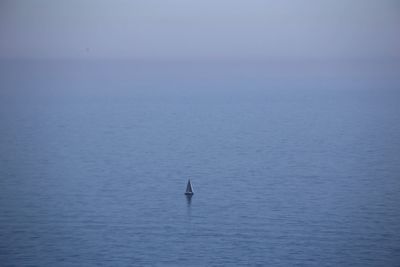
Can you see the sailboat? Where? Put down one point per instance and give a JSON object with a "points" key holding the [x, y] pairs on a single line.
{"points": [[189, 190]]}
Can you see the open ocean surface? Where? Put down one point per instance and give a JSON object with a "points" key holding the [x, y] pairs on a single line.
{"points": [[287, 170]]}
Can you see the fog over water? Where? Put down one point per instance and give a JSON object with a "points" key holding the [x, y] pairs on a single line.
{"points": [[177, 29], [284, 115]]}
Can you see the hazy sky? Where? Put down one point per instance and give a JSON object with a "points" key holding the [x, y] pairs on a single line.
{"points": [[207, 29]]}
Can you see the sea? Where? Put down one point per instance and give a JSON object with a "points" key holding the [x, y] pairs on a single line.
{"points": [[292, 163]]}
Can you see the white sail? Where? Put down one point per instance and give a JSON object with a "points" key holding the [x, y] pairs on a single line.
{"points": [[189, 190]]}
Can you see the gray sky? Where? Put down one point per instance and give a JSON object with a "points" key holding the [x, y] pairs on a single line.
{"points": [[207, 29]]}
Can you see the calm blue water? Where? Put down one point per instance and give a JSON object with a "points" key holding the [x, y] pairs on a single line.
{"points": [[287, 169]]}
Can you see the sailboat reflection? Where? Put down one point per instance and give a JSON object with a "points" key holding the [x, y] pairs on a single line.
{"points": [[189, 200]]}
